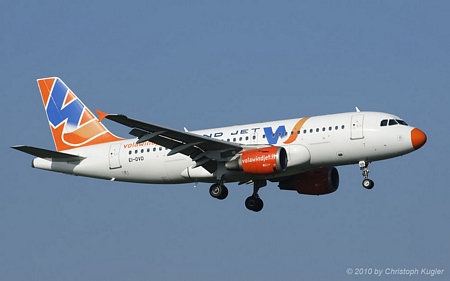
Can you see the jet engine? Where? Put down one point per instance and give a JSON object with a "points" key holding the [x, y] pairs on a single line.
{"points": [[260, 161], [314, 182]]}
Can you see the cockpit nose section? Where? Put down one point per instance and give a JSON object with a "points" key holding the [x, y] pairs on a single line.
{"points": [[418, 138]]}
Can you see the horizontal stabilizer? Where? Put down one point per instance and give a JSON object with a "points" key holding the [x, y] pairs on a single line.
{"points": [[48, 154]]}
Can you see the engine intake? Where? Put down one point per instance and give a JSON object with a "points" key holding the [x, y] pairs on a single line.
{"points": [[315, 182], [260, 161]]}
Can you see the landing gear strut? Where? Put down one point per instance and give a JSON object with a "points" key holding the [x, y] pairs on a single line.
{"points": [[364, 166], [218, 191], [254, 203]]}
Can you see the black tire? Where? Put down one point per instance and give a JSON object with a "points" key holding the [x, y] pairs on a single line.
{"points": [[368, 183], [259, 205], [224, 193], [254, 204], [218, 191]]}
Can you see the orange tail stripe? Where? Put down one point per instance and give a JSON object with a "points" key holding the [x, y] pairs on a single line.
{"points": [[87, 116], [70, 97], [45, 86]]}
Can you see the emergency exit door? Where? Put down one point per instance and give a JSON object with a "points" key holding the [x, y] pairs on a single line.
{"points": [[114, 161]]}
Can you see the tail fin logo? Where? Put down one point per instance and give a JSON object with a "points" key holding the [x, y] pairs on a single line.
{"points": [[71, 122]]}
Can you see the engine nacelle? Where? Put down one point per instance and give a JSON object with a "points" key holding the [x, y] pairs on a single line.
{"points": [[315, 182], [260, 161], [298, 156]]}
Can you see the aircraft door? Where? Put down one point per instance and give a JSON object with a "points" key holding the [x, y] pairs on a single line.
{"points": [[114, 161], [357, 127]]}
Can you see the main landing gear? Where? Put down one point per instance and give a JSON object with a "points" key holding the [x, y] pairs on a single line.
{"points": [[218, 191], [254, 203], [364, 166]]}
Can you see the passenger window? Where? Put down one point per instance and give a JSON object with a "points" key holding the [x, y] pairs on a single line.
{"points": [[330, 128], [234, 139], [254, 137], [240, 139], [298, 132], [228, 140], [292, 132], [336, 127], [130, 152], [246, 138], [264, 136], [160, 148], [311, 130], [135, 152], [148, 149], [323, 129], [317, 129], [342, 127], [392, 122], [142, 150], [304, 131], [384, 123]]}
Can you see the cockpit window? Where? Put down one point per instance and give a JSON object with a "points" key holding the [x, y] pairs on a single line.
{"points": [[392, 122], [401, 122]]}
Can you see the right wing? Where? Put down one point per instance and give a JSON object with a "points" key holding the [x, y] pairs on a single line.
{"points": [[205, 151]]}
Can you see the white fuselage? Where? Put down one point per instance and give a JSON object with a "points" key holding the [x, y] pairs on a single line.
{"points": [[328, 140]]}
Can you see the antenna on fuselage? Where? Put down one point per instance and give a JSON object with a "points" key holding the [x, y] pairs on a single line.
{"points": [[357, 109]]}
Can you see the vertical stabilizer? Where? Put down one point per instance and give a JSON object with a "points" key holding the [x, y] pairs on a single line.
{"points": [[72, 124]]}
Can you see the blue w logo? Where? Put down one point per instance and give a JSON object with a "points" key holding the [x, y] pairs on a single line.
{"points": [[56, 114], [272, 137]]}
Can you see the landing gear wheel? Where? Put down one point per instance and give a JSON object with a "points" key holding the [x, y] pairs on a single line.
{"points": [[364, 166], [254, 204], [368, 183], [218, 191]]}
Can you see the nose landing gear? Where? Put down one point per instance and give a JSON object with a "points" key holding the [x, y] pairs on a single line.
{"points": [[364, 166]]}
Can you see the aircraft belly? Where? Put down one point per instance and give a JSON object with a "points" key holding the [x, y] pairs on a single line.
{"points": [[174, 167], [322, 153]]}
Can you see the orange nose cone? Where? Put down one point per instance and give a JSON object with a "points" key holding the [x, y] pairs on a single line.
{"points": [[418, 138]]}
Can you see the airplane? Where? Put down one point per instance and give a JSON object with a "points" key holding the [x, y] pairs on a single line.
{"points": [[299, 154]]}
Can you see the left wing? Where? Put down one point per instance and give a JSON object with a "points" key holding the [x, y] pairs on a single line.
{"points": [[48, 154], [205, 151]]}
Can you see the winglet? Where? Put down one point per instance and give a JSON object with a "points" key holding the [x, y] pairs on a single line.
{"points": [[101, 115]]}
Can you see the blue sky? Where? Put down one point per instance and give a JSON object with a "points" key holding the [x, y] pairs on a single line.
{"points": [[201, 64]]}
